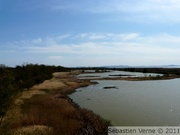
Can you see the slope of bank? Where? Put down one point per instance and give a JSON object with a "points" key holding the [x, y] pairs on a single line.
{"points": [[46, 109]]}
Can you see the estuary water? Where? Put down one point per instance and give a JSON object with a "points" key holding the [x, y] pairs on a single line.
{"points": [[133, 103], [115, 74]]}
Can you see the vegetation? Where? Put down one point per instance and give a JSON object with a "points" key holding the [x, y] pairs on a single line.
{"points": [[28, 75], [175, 71], [14, 80], [58, 117], [44, 114], [8, 88], [44, 109], [47, 111]]}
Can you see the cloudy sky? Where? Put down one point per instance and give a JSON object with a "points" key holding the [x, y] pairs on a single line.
{"points": [[90, 32]]}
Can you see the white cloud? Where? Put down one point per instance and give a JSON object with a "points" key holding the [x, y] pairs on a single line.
{"points": [[106, 36], [123, 48], [140, 6], [128, 36], [55, 57], [149, 11]]}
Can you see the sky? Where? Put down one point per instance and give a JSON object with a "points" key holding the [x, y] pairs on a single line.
{"points": [[74, 33]]}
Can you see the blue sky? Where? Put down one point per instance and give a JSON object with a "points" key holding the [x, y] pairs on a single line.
{"points": [[90, 32]]}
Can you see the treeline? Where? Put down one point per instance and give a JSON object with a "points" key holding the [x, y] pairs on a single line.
{"points": [[14, 80], [175, 71]]}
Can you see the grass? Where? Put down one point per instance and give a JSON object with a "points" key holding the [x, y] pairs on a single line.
{"points": [[57, 118], [47, 110], [45, 90], [95, 123], [40, 114], [33, 130]]}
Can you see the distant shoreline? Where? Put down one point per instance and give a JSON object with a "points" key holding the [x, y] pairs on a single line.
{"points": [[127, 77], [138, 78]]}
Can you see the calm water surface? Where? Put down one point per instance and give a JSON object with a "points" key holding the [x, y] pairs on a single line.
{"points": [[133, 103], [114, 74]]}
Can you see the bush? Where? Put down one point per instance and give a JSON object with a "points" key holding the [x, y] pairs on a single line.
{"points": [[8, 88], [13, 80]]}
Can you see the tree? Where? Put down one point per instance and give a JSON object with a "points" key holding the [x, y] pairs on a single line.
{"points": [[8, 88]]}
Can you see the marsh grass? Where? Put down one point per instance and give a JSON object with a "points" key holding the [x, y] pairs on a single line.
{"points": [[47, 111], [45, 90], [33, 130], [46, 115], [99, 125]]}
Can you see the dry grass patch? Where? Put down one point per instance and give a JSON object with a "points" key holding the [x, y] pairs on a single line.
{"points": [[53, 84], [41, 109], [60, 75], [33, 130], [93, 124], [44, 110], [27, 95]]}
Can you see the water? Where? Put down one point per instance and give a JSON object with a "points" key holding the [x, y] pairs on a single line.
{"points": [[133, 103], [114, 74]]}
